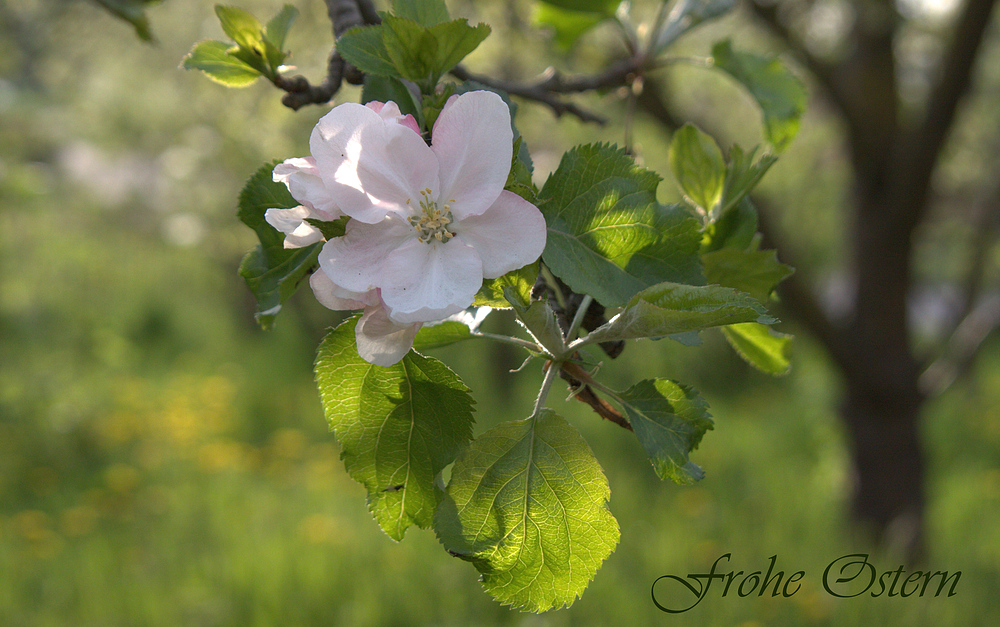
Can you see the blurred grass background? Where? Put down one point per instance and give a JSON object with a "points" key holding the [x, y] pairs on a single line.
{"points": [[164, 462]]}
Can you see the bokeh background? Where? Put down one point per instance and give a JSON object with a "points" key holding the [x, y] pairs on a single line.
{"points": [[163, 461]]}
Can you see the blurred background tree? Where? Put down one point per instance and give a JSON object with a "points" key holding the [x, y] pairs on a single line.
{"points": [[164, 462]]}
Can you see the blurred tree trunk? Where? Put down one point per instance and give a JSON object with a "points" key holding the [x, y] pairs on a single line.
{"points": [[893, 161]]}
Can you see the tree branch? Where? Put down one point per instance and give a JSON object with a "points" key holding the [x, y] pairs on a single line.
{"points": [[344, 15]]}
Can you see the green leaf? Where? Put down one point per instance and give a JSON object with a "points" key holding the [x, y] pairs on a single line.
{"points": [[364, 48], [734, 229], [607, 234], [423, 12], [277, 27], [672, 308], [698, 166], [742, 175], [272, 272], [214, 59], [756, 272], [442, 334], [520, 280], [527, 505], [568, 25], [398, 427], [763, 348], [242, 27], [780, 95], [669, 419], [539, 320], [423, 54], [330, 228], [133, 12], [604, 7]]}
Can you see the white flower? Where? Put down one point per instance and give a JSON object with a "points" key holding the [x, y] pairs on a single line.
{"points": [[429, 222]]}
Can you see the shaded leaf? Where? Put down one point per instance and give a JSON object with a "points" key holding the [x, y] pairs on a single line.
{"points": [[527, 505], [442, 334], [423, 12], [756, 272], [364, 48], [669, 419], [396, 426]]}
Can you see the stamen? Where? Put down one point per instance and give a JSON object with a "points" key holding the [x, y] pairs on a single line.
{"points": [[431, 222]]}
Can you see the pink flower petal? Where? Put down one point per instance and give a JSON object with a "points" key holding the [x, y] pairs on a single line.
{"points": [[292, 222], [425, 282], [354, 261], [390, 111], [370, 165], [381, 341], [302, 178], [334, 297], [507, 236], [472, 141]]}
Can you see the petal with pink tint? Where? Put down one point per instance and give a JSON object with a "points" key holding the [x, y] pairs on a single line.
{"points": [[292, 222], [354, 261], [472, 141], [302, 178], [507, 236], [424, 282], [332, 296], [382, 341]]}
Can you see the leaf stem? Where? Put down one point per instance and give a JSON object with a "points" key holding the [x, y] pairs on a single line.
{"points": [[516, 341], [581, 311], [551, 372]]}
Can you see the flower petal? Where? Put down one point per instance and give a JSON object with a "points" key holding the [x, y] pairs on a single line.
{"points": [[472, 140], [302, 178], [381, 341], [425, 282], [390, 111], [507, 236], [372, 166], [332, 296], [354, 261]]}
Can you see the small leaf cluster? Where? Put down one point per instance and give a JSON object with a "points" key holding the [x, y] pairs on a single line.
{"points": [[256, 49]]}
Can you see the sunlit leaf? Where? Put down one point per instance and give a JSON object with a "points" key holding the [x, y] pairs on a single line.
{"points": [[214, 59], [698, 166], [669, 419], [607, 234], [397, 427], [442, 334], [241, 26], [604, 7], [568, 25], [527, 505], [762, 347], [520, 280]]}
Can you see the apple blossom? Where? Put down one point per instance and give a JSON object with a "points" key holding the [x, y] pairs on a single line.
{"points": [[429, 223]]}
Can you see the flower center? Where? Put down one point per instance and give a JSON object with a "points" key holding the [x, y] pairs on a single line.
{"points": [[431, 222]]}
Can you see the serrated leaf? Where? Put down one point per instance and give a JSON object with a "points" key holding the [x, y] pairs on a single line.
{"points": [[330, 228], [423, 54], [442, 334], [669, 419], [456, 39], [672, 308], [364, 48], [779, 93], [756, 272], [604, 7], [277, 27], [133, 12], [423, 12], [763, 348], [607, 234], [527, 505], [491, 294], [698, 166], [214, 59], [397, 427], [241, 26], [272, 272]]}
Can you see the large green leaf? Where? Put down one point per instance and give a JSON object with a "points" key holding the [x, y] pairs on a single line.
{"points": [[672, 308], [423, 54], [527, 505], [607, 234], [762, 347], [698, 166], [669, 419], [214, 58], [398, 427], [272, 271], [780, 95]]}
